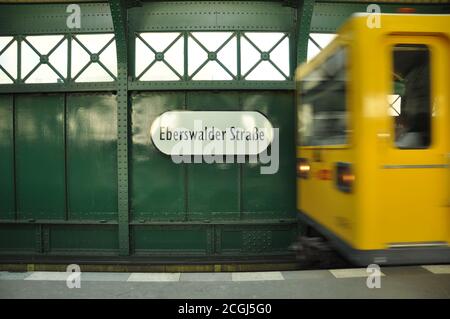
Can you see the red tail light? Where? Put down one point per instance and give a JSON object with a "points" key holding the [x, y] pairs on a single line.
{"points": [[406, 10], [345, 178]]}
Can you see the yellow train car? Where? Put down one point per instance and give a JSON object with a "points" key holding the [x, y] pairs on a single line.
{"points": [[373, 145]]}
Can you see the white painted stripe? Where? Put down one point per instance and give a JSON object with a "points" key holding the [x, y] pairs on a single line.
{"points": [[155, 277], [104, 276], [351, 273], [5, 275], [438, 269], [257, 276], [49, 275]]}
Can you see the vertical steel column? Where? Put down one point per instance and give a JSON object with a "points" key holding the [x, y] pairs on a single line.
{"points": [[119, 16], [304, 16]]}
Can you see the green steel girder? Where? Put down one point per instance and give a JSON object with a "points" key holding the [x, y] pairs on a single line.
{"points": [[211, 15], [57, 87], [210, 85], [242, 222], [119, 16], [305, 13], [52, 19]]}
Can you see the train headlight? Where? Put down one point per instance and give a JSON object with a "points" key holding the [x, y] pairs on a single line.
{"points": [[303, 168], [345, 178]]}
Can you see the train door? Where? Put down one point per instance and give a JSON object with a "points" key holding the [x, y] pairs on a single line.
{"points": [[414, 174]]}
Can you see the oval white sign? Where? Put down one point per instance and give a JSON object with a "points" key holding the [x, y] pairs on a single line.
{"points": [[211, 132]]}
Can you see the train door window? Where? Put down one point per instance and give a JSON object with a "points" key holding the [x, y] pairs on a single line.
{"points": [[409, 103]]}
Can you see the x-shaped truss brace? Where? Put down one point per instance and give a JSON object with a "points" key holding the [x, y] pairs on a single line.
{"points": [[94, 58], [1, 67], [265, 56], [159, 56], [212, 56], [315, 43], [44, 59]]}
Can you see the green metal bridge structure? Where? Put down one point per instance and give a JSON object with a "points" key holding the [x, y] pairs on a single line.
{"points": [[81, 181]]}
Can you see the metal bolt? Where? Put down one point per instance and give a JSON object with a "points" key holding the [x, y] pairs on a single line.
{"points": [[159, 56], [212, 56], [95, 57], [44, 59]]}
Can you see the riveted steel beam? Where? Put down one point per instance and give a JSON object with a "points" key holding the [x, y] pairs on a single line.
{"points": [[48, 1], [304, 16], [211, 16], [51, 18], [119, 16]]}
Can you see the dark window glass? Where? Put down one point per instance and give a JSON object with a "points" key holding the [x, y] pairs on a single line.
{"points": [[410, 99]]}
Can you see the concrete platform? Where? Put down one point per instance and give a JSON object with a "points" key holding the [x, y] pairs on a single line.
{"points": [[396, 282]]}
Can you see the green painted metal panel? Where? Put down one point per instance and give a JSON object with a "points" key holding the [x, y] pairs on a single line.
{"points": [[157, 184], [7, 205], [210, 85], [159, 188], [165, 240], [91, 156], [211, 15], [231, 240], [83, 238], [40, 170], [256, 239], [282, 239], [213, 189], [271, 195], [57, 87], [52, 18], [17, 238]]}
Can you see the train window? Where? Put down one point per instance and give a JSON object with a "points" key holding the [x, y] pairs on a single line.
{"points": [[411, 85], [322, 115]]}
